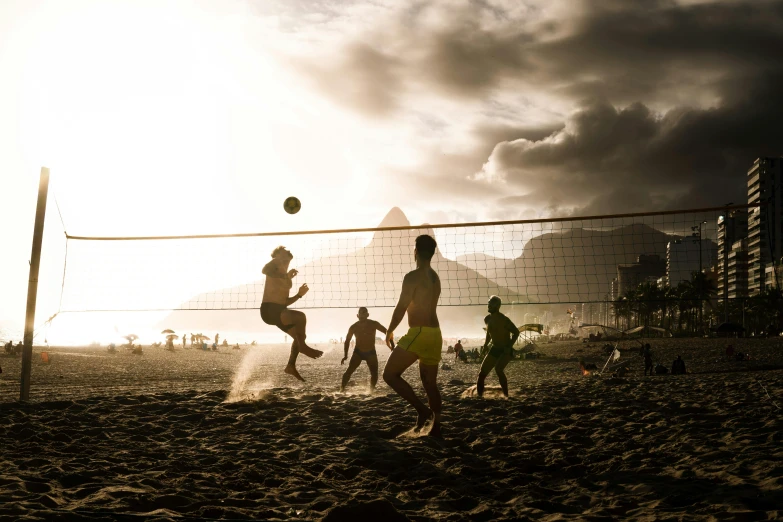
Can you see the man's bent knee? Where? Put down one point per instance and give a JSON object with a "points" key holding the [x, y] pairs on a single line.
{"points": [[389, 376]]}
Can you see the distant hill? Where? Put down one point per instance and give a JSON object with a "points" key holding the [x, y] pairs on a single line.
{"points": [[370, 276], [578, 265], [488, 266]]}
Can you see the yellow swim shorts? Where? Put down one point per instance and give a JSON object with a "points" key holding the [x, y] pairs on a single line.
{"points": [[424, 341]]}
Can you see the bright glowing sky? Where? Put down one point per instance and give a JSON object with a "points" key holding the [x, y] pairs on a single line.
{"points": [[183, 117]]}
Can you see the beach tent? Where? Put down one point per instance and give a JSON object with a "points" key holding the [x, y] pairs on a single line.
{"points": [[608, 333], [648, 329]]}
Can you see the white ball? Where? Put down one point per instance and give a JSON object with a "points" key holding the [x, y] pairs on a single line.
{"points": [[292, 205]]}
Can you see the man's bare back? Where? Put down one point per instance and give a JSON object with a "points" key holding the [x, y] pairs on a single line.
{"points": [[423, 341], [424, 284]]}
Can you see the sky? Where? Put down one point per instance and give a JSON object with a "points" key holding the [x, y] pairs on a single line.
{"points": [[169, 117]]}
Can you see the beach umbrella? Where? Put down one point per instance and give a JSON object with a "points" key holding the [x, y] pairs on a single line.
{"points": [[532, 327], [167, 331], [130, 337], [172, 336]]}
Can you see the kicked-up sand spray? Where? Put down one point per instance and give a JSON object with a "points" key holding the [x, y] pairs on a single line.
{"points": [[242, 386]]}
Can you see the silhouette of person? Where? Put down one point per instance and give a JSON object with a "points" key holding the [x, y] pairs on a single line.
{"points": [[364, 329], [274, 306], [648, 362], [423, 342], [503, 334], [678, 366]]}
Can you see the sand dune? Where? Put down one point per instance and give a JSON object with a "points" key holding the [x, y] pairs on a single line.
{"points": [[156, 435]]}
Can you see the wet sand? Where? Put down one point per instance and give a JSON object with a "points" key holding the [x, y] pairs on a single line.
{"points": [[204, 435]]}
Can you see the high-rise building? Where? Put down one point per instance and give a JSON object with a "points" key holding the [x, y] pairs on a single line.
{"points": [[738, 269], [765, 223], [732, 227], [687, 255]]}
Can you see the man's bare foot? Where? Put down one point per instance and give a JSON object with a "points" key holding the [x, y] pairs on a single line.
{"points": [[424, 417], [291, 370], [435, 431], [310, 352]]}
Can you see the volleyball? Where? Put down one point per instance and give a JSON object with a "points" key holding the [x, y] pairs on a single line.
{"points": [[292, 205]]}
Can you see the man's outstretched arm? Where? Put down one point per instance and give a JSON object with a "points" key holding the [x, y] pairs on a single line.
{"points": [[348, 338], [514, 332], [380, 327]]}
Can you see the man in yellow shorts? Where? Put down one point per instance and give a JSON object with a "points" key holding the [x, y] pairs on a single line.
{"points": [[423, 342]]}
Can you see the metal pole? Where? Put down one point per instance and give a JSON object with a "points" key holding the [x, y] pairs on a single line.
{"points": [[701, 285], [32, 286]]}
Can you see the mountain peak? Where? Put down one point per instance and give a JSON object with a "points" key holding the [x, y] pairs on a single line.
{"points": [[395, 218]]}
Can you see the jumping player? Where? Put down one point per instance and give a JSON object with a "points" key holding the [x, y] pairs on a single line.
{"points": [[503, 334], [364, 330], [419, 298], [274, 306]]}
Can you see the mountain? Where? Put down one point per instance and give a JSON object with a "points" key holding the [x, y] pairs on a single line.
{"points": [[488, 266], [395, 218], [578, 265], [370, 276]]}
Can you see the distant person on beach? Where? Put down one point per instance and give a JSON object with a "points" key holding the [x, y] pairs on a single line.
{"points": [[364, 330], [678, 366], [423, 342], [459, 352], [274, 306], [502, 332], [217, 338], [184, 340], [648, 362]]}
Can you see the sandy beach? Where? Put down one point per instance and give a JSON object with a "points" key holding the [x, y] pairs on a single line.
{"points": [[225, 435]]}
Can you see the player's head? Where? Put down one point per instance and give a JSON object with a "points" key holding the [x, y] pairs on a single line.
{"points": [[281, 253], [363, 313], [425, 247], [493, 305]]}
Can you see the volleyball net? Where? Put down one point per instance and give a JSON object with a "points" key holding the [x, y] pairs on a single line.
{"points": [[549, 261]]}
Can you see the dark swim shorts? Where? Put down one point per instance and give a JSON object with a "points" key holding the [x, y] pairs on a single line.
{"points": [[270, 314], [364, 356], [500, 350]]}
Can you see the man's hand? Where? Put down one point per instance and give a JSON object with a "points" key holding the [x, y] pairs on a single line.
{"points": [[344, 358], [303, 290], [292, 273], [390, 339]]}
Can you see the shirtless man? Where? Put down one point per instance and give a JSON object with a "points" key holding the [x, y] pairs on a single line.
{"points": [[274, 306], [364, 330], [503, 334], [419, 298]]}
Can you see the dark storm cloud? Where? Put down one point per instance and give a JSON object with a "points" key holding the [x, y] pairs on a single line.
{"points": [[625, 51], [609, 159], [682, 97]]}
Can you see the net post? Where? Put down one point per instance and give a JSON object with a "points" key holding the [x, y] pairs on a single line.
{"points": [[32, 286]]}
